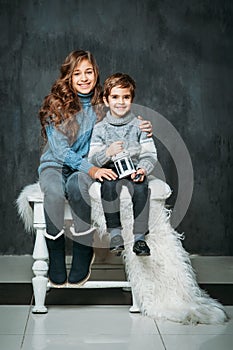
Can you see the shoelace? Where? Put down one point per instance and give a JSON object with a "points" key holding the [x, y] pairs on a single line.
{"points": [[142, 244]]}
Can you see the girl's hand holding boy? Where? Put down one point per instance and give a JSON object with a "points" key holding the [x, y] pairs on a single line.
{"points": [[100, 174]]}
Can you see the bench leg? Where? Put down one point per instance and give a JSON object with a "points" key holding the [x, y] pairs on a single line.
{"points": [[40, 269], [39, 288], [134, 308]]}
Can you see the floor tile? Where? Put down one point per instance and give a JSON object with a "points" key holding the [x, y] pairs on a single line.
{"points": [[167, 327], [92, 342], [198, 342], [10, 342], [90, 320], [13, 319], [105, 327]]}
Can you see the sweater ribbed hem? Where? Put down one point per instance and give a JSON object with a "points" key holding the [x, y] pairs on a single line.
{"points": [[102, 159], [85, 166], [148, 166]]}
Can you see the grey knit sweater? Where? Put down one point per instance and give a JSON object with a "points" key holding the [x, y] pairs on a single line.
{"points": [[141, 148]]}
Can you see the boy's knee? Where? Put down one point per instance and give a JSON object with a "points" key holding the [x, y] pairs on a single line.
{"points": [[108, 190], [141, 188], [108, 184]]}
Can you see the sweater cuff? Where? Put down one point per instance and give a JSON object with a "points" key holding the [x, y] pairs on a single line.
{"points": [[146, 165], [85, 166], [101, 158]]}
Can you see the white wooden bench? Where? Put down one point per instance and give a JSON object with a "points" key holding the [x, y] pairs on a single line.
{"points": [[32, 197]]}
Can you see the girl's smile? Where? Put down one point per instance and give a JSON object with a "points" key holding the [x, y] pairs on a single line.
{"points": [[83, 77]]}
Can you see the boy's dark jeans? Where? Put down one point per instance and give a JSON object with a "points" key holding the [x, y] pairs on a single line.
{"points": [[140, 194]]}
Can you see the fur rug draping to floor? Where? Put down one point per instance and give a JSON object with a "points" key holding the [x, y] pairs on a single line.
{"points": [[164, 284]]}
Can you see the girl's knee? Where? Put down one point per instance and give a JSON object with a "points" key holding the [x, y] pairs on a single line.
{"points": [[73, 187], [77, 187], [54, 191]]}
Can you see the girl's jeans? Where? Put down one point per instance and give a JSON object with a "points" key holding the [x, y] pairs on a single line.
{"points": [[57, 188]]}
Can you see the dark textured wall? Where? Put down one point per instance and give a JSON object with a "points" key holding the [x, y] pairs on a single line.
{"points": [[181, 56]]}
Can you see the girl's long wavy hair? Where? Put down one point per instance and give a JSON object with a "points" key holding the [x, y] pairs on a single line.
{"points": [[62, 104]]}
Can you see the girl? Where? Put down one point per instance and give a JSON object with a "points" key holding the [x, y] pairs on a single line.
{"points": [[67, 117]]}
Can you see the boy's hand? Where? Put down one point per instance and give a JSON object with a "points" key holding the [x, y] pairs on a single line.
{"points": [[139, 175], [146, 126], [114, 148]]}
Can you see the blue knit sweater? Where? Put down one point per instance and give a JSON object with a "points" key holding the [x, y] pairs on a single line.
{"points": [[59, 152]]}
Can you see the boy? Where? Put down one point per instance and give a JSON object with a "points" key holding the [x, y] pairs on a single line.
{"points": [[119, 130]]}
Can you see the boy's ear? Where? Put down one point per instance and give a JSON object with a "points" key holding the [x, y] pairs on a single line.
{"points": [[105, 102]]}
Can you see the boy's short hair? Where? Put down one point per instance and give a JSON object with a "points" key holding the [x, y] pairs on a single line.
{"points": [[119, 79]]}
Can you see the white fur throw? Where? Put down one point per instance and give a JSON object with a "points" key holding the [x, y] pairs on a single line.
{"points": [[164, 284]]}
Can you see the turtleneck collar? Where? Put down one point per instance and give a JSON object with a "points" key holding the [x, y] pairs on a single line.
{"points": [[119, 121], [85, 99]]}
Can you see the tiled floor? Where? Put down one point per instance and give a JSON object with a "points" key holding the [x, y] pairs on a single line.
{"points": [[102, 327], [105, 327]]}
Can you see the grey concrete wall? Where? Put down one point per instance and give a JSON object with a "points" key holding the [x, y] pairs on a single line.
{"points": [[181, 56]]}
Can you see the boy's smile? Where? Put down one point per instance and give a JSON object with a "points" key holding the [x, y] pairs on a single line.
{"points": [[119, 101]]}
